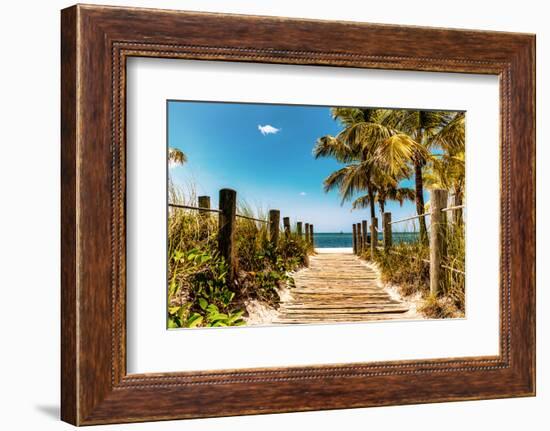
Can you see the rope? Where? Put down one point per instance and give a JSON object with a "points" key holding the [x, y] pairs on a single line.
{"points": [[252, 218], [189, 207], [453, 269], [213, 210], [454, 208], [410, 218]]}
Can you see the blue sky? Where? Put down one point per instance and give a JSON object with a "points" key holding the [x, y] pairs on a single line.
{"points": [[264, 152]]}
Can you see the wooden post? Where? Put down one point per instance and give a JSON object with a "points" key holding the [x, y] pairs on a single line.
{"points": [[360, 244], [299, 229], [274, 220], [354, 238], [307, 233], [311, 237], [386, 223], [204, 202], [226, 231], [373, 235], [455, 215], [286, 224], [364, 227], [438, 240], [359, 239]]}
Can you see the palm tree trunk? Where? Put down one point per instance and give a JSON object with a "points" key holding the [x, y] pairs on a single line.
{"points": [[371, 200], [419, 187]]}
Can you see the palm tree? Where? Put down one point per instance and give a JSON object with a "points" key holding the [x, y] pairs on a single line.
{"points": [[451, 164], [449, 168], [422, 127], [349, 180], [176, 156], [448, 173], [451, 137], [370, 147], [383, 195]]}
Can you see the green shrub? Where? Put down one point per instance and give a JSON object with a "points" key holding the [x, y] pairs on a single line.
{"points": [[407, 266], [404, 265], [198, 293], [199, 282]]}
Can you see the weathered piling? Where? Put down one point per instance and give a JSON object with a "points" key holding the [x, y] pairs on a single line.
{"points": [[438, 240], [204, 202], [274, 220], [373, 235], [299, 229], [286, 225], [307, 233], [311, 237], [364, 228], [360, 243], [386, 223], [354, 238], [226, 231]]}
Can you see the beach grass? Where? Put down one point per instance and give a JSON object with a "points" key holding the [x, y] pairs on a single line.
{"points": [[199, 293], [406, 265]]}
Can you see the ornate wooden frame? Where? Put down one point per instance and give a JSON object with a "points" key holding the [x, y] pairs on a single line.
{"points": [[96, 41]]}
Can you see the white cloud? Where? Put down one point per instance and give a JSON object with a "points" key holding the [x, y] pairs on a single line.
{"points": [[303, 193], [268, 129]]}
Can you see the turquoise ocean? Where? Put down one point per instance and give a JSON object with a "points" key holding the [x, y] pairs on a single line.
{"points": [[344, 240]]}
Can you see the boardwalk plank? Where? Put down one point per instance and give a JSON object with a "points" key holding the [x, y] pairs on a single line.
{"points": [[338, 288]]}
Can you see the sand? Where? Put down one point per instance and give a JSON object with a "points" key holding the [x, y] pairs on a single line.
{"points": [[345, 250]]}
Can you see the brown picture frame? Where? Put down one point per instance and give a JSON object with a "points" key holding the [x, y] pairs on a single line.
{"points": [[95, 43]]}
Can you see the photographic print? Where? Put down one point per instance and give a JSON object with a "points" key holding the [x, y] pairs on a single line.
{"points": [[292, 214]]}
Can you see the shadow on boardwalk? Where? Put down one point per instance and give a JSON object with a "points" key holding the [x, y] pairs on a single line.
{"points": [[338, 287]]}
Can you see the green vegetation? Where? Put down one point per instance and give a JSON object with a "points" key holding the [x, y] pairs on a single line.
{"points": [[379, 149], [406, 266], [198, 292]]}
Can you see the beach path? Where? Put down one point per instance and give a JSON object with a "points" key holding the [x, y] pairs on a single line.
{"points": [[338, 287]]}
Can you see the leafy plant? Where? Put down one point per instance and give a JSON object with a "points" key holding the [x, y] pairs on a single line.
{"points": [[198, 292], [406, 265]]}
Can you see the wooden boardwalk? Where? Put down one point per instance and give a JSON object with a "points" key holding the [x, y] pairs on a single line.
{"points": [[338, 287]]}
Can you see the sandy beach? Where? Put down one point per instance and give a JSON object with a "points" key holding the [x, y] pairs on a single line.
{"points": [[343, 250]]}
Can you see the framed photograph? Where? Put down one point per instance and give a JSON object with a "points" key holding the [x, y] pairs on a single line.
{"points": [[266, 215]]}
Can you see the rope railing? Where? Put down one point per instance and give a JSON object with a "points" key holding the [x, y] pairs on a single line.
{"points": [[410, 218], [190, 207], [456, 207], [436, 234], [450, 268], [214, 210], [228, 224], [252, 218]]}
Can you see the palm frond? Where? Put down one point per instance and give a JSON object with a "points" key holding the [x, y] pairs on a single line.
{"points": [[347, 116], [348, 180], [176, 156], [396, 152], [330, 146], [361, 202], [402, 194], [380, 147], [452, 135], [419, 124]]}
